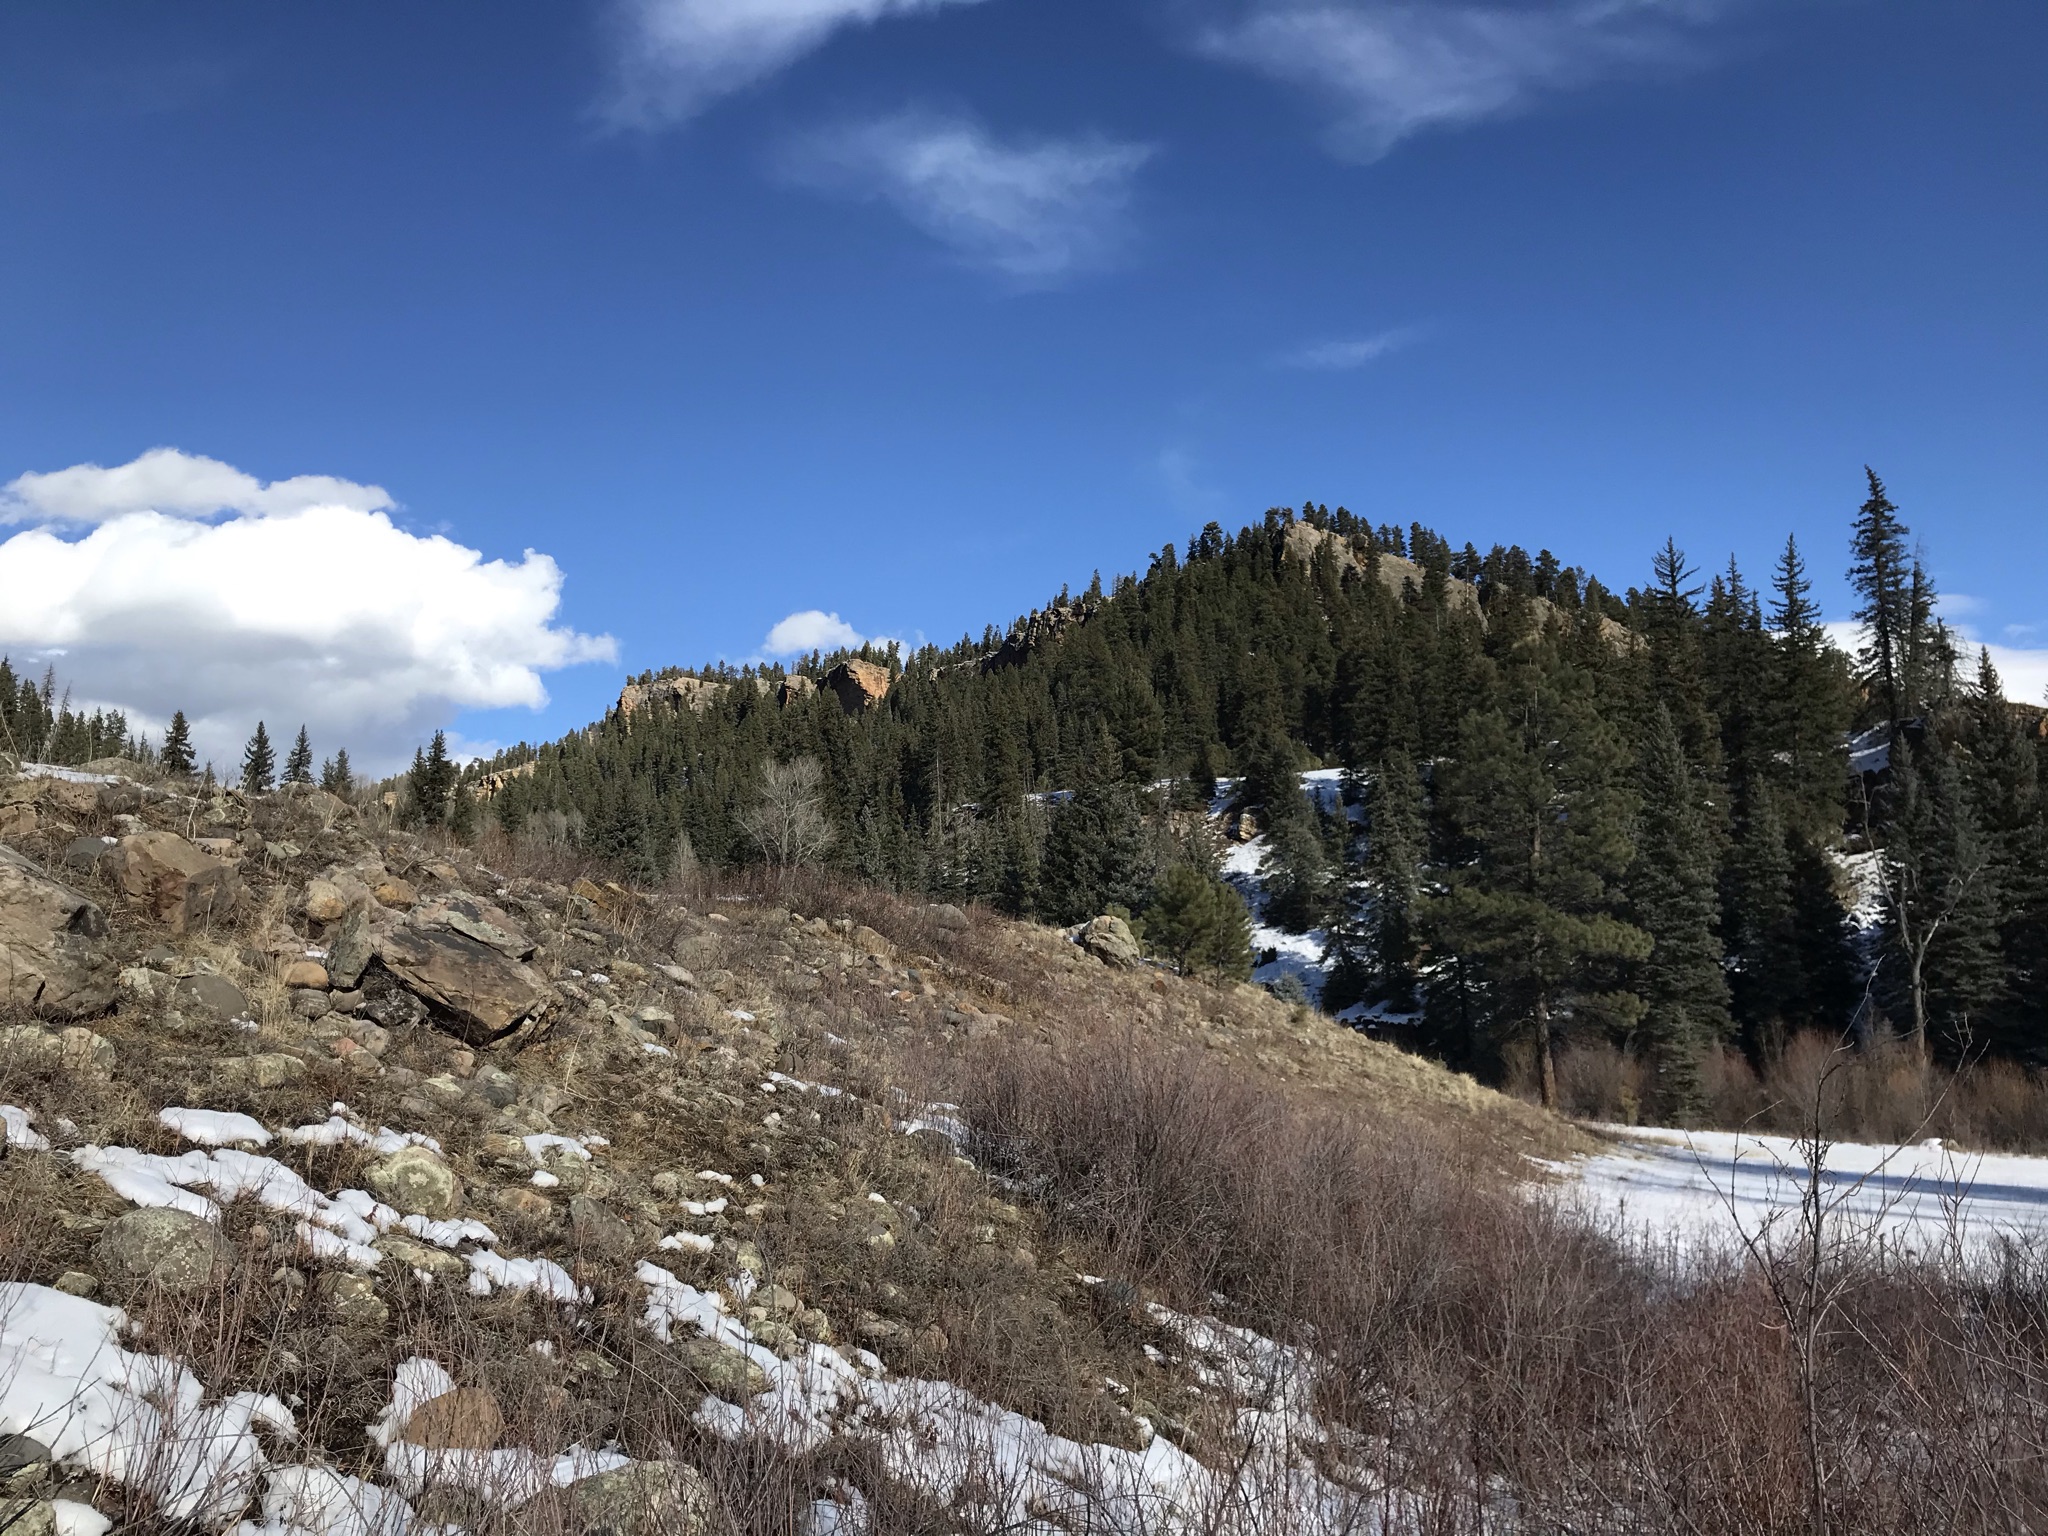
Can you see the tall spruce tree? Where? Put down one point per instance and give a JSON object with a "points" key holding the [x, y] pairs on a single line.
{"points": [[1672, 898], [259, 762], [1806, 707], [336, 777], [432, 781], [1882, 572], [175, 755], [298, 763], [2004, 780]]}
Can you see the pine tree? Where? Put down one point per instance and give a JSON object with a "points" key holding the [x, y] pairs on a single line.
{"points": [[1882, 573], [432, 780], [1198, 922], [298, 763], [1807, 708], [336, 777], [2004, 782], [259, 762], [175, 755], [1672, 898], [1759, 930], [1397, 841], [1539, 794]]}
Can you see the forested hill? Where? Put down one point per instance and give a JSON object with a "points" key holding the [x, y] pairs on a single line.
{"points": [[1569, 811]]}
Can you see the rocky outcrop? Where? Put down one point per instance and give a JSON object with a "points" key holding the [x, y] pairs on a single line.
{"points": [[681, 690], [175, 882], [53, 958], [1398, 574], [859, 685], [1030, 635], [492, 784], [479, 991]]}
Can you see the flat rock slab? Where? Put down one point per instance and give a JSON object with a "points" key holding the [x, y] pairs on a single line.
{"points": [[480, 992]]}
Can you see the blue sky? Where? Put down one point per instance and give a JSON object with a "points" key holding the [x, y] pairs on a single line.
{"points": [[912, 310]]}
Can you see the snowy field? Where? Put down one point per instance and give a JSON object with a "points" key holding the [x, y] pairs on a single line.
{"points": [[1708, 1189]]}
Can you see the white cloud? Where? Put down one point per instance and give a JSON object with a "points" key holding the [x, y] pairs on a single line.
{"points": [[1336, 356], [677, 56], [1034, 210], [176, 484], [1387, 70], [326, 614], [811, 630]]}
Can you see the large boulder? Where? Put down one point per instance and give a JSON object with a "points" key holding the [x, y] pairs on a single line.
{"points": [[52, 955], [1110, 940], [173, 880], [479, 991], [460, 912], [174, 1250]]}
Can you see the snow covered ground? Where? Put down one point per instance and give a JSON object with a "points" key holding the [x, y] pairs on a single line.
{"points": [[1707, 1189], [1300, 955]]}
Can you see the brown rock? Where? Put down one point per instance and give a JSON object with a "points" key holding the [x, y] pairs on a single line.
{"points": [[177, 883], [417, 1182], [480, 920], [394, 892], [481, 992], [466, 1419], [859, 685], [305, 973], [524, 1203], [52, 958], [17, 821]]}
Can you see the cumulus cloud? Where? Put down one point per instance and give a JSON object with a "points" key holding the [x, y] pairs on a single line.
{"points": [[1034, 210], [1386, 69], [1336, 356], [178, 484], [323, 612], [811, 630], [678, 56]]}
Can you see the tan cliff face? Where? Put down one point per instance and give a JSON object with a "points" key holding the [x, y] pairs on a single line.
{"points": [[684, 690]]}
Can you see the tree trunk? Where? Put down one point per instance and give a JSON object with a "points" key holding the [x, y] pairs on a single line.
{"points": [[1546, 1059], [1918, 952]]}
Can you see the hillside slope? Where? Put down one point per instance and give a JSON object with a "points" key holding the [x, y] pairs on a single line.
{"points": [[542, 1203]]}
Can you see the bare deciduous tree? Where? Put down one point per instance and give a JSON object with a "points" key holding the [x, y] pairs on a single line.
{"points": [[788, 823]]}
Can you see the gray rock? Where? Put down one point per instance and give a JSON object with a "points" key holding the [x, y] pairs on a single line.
{"points": [[349, 949], [52, 955], [310, 1004], [28, 1517], [945, 915], [726, 1372], [207, 993], [647, 1498], [269, 1069], [410, 1253], [495, 1086], [82, 853], [172, 1249], [597, 1229], [354, 1300], [19, 1451], [417, 1182], [1110, 940]]}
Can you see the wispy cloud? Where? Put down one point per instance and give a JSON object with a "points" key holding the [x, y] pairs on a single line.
{"points": [[1337, 355], [811, 630], [1034, 210], [1387, 69], [675, 57]]}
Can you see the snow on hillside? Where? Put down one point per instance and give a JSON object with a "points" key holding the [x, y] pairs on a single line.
{"points": [[1300, 955], [1710, 1189]]}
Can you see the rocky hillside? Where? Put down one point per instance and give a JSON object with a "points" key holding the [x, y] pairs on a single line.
{"points": [[360, 1184]]}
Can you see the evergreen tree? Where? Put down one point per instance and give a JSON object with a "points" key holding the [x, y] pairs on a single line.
{"points": [[1758, 925], [298, 763], [432, 781], [336, 777], [1539, 795], [1097, 853], [1397, 843], [1943, 966], [1672, 898], [259, 762], [1199, 923], [1806, 710], [2005, 787], [175, 755], [1882, 572]]}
